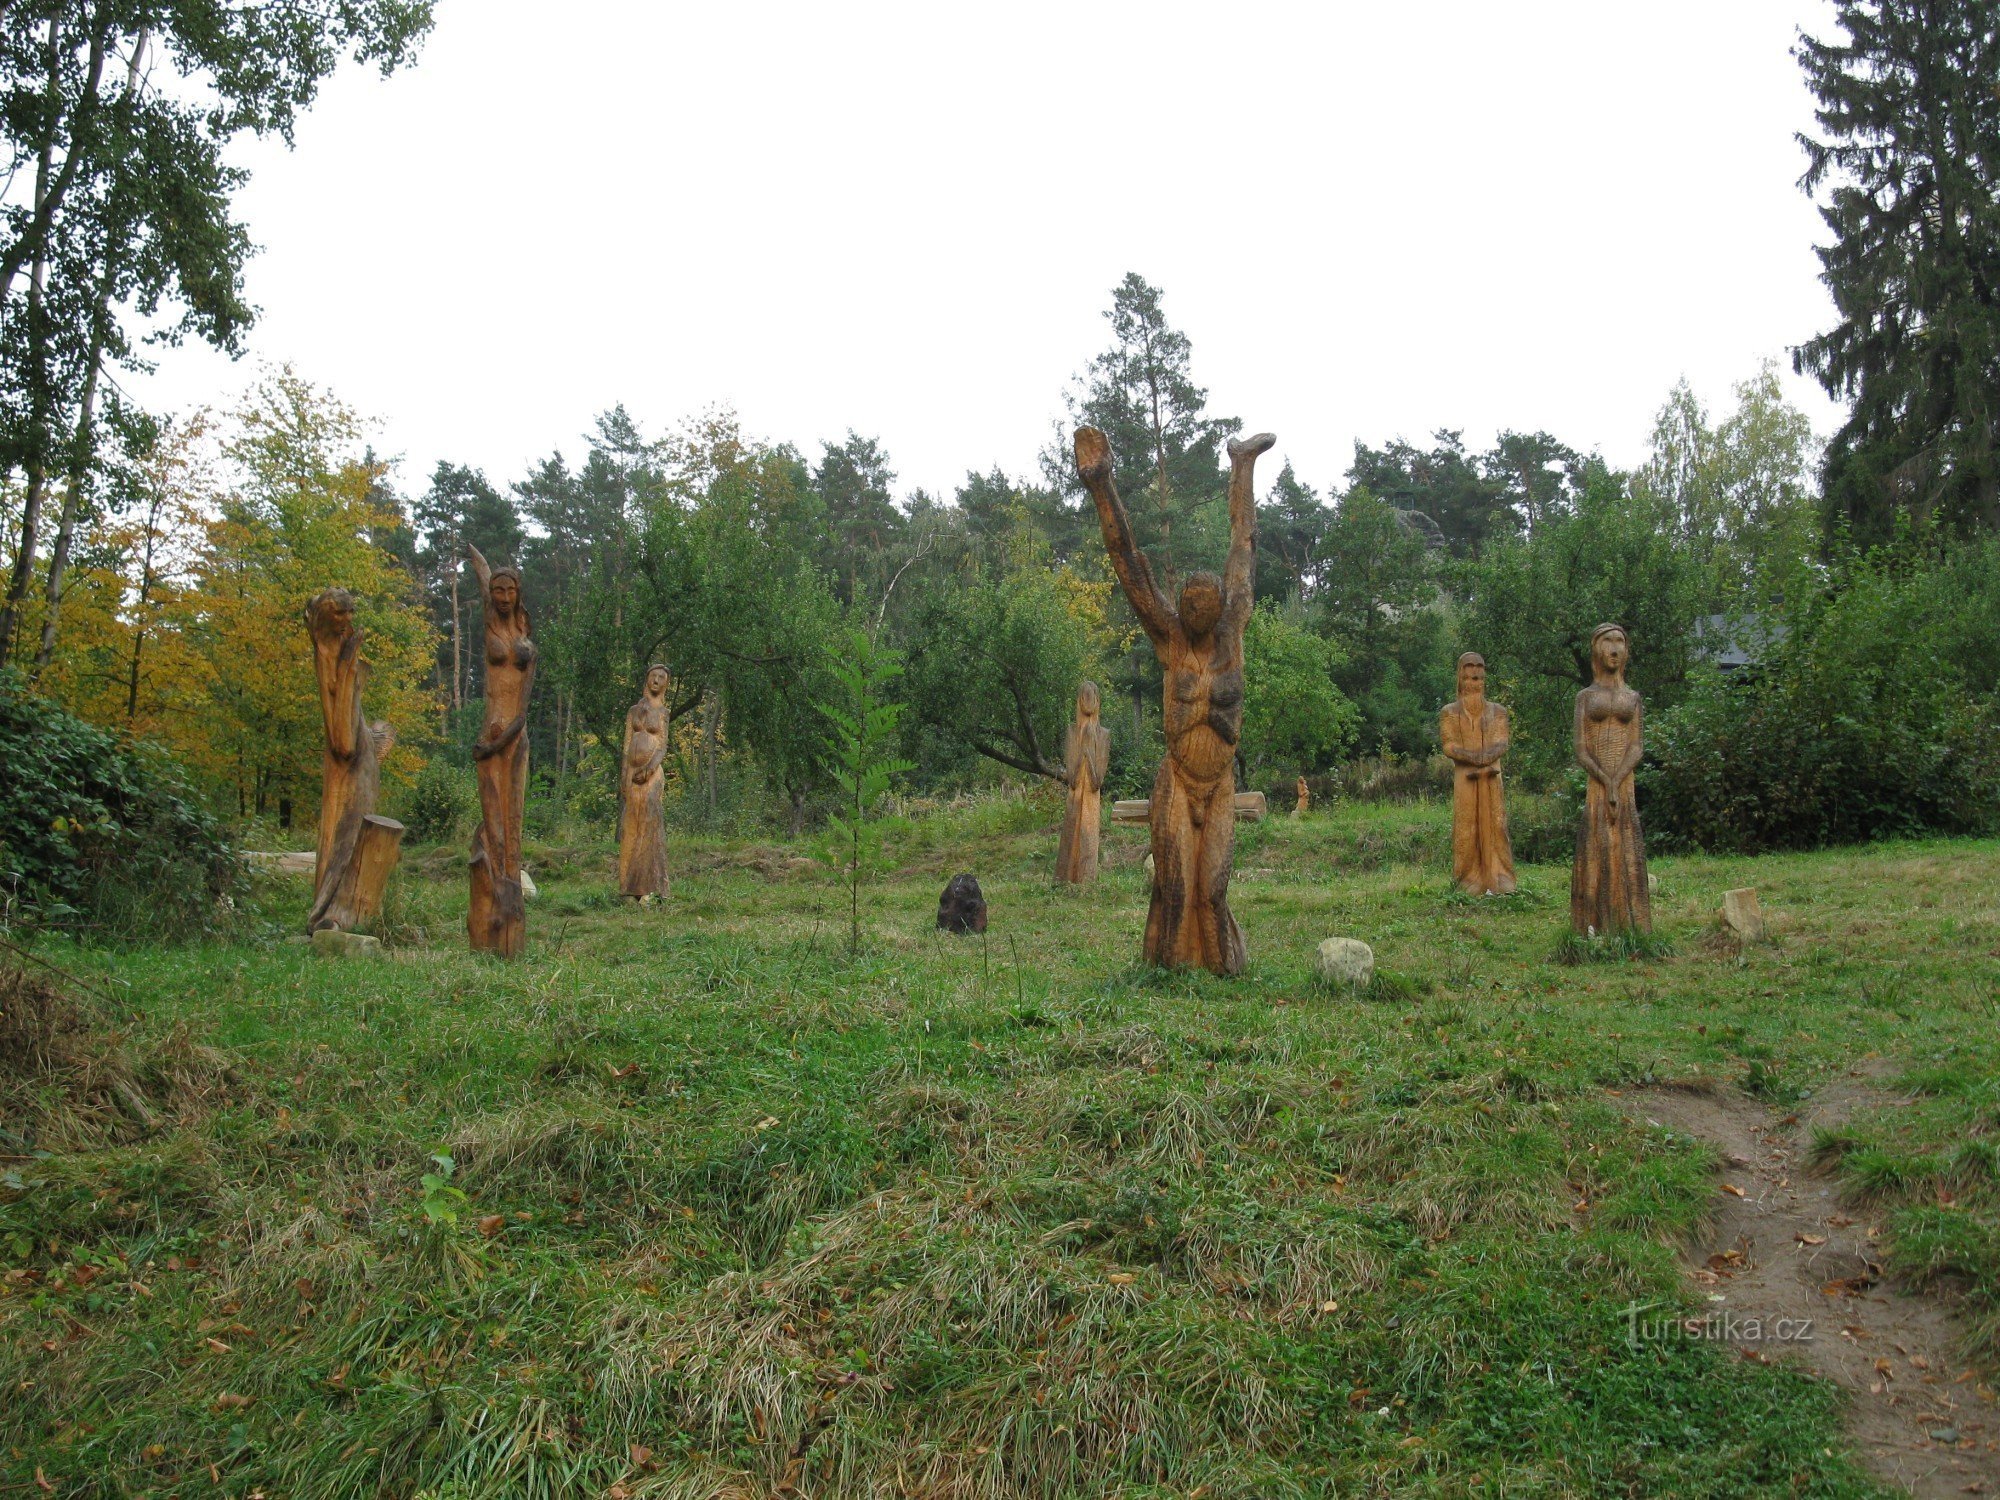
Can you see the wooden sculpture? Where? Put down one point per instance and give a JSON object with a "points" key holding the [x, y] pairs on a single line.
{"points": [[357, 848], [1200, 646], [497, 921], [1474, 734], [1607, 885], [642, 828], [1086, 755], [1305, 797]]}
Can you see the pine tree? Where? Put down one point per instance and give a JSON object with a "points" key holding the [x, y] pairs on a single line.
{"points": [[1909, 162], [1168, 449]]}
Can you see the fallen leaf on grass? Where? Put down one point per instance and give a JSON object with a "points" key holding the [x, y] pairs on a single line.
{"points": [[1809, 1239], [230, 1401], [1732, 1189], [491, 1224]]}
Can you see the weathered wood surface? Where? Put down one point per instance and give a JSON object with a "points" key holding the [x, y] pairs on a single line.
{"points": [[1251, 807], [642, 822], [1086, 757], [355, 855], [496, 921], [1199, 641], [1474, 735], [1608, 890], [282, 861]]}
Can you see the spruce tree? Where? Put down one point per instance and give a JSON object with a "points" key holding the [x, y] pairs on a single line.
{"points": [[1906, 161]]}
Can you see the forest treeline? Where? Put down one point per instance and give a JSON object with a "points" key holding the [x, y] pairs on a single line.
{"points": [[1814, 625], [740, 563]]}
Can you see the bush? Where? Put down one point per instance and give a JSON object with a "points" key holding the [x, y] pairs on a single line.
{"points": [[1860, 723], [439, 802], [98, 833]]}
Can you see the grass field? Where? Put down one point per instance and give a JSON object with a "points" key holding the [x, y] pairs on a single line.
{"points": [[727, 1212]]}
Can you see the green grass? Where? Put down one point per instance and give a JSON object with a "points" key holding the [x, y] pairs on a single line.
{"points": [[973, 1217]]}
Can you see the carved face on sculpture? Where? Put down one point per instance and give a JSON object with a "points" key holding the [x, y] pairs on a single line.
{"points": [[331, 614], [657, 679], [1087, 703], [1201, 603], [1472, 675], [1610, 650], [506, 592]]}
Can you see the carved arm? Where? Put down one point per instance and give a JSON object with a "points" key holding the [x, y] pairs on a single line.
{"points": [[1239, 572], [1135, 574]]}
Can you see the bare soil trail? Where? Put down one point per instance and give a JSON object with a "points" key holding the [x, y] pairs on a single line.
{"points": [[1791, 1272]]}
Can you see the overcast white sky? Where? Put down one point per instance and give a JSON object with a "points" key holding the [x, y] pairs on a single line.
{"points": [[1372, 220]]}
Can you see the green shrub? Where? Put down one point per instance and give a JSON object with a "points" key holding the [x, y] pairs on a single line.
{"points": [[439, 802], [1860, 723], [97, 833]]}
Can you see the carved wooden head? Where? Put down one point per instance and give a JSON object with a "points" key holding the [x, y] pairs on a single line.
{"points": [[658, 680], [1610, 649], [1087, 701], [330, 615], [1201, 603], [1471, 675]]}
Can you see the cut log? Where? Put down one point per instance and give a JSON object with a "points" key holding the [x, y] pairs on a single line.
{"points": [[381, 846], [1250, 808], [305, 863]]}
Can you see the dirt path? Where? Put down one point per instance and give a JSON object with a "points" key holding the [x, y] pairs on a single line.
{"points": [[1790, 1273]]}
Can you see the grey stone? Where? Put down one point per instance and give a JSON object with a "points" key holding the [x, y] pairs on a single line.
{"points": [[528, 891], [1346, 961], [337, 944], [1742, 915]]}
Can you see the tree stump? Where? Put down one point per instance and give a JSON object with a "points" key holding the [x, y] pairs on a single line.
{"points": [[357, 849], [1086, 756]]}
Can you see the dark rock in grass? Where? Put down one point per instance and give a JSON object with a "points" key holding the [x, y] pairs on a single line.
{"points": [[961, 908]]}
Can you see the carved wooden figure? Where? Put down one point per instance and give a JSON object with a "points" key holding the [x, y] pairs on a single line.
{"points": [[1086, 755], [497, 920], [1305, 799], [357, 848], [1474, 734], [1607, 886], [642, 828], [1200, 646]]}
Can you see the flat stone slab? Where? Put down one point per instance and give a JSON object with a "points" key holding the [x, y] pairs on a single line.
{"points": [[337, 944]]}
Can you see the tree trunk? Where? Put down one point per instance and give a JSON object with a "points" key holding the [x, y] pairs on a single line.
{"points": [[457, 660], [37, 376], [79, 471], [711, 712]]}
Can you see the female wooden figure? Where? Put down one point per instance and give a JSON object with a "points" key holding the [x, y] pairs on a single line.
{"points": [[357, 849], [1086, 755], [642, 829], [1607, 886], [497, 921], [1200, 646]]}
